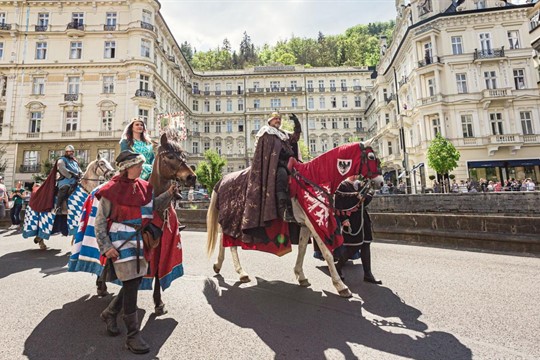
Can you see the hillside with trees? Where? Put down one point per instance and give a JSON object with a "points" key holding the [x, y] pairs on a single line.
{"points": [[358, 46]]}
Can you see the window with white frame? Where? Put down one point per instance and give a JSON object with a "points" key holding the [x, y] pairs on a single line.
{"points": [[310, 84], [359, 124], [145, 48], [144, 82], [218, 87], [274, 85], [431, 87], [357, 102], [323, 123], [335, 143], [333, 102], [344, 102], [345, 123], [312, 145], [311, 124], [35, 122], [294, 103], [106, 120], [311, 103], [256, 124], [218, 105], [75, 50], [206, 105], [321, 85], [110, 19], [240, 105], [387, 118], [389, 146], [496, 123], [38, 86], [256, 104], [322, 102], [513, 39], [144, 115], [240, 125], [343, 84], [467, 126], [490, 78], [195, 147], [485, 43], [108, 84], [461, 81], [41, 50], [218, 126], [73, 84], [324, 146], [43, 20], [196, 126], [229, 105], [256, 85], [294, 85], [275, 103], [147, 16], [457, 45], [428, 53], [206, 128], [332, 85], [31, 157], [526, 122], [195, 105], [229, 126], [110, 50], [334, 123], [107, 154], [436, 126], [519, 78], [218, 146], [71, 121], [77, 18]]}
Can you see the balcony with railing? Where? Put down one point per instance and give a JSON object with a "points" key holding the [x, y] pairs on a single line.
{"points": [[196, 133], [389, 98], [68, 134], [496, 93], [256, 90], [31, 168], [4, 26], [488, 53], [171, 58], [403, 81], [294, 89], [357, 88], [149, 94], [360, 130], [217, 92], [109, 27], [196, 91], [429, 60], [228, 92], [332, 88], [310, 89], [430, 100], [75, 28], [147, 26], [33, 135], [41, 28], [531, 138], [71, 97], [321, 89], [105, 133]]}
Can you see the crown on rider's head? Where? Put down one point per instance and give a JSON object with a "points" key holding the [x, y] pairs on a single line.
{"points": [[275, 115]]}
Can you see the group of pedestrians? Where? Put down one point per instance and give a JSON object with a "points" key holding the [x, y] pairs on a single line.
{"points": [[484, 185], [12, 200]]}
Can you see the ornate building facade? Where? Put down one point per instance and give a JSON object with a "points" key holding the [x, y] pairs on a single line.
{"points": [[76, 72]]}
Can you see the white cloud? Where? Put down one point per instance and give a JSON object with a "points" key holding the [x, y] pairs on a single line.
{"points": [[205, 23]]}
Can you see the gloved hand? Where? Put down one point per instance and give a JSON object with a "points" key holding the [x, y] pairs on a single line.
{"points": [[297, 125]]}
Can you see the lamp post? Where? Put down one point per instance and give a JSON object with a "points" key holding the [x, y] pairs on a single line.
{"points": [[405, 162]]}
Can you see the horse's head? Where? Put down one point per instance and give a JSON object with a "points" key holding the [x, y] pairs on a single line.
{"points": [[172, 160], [370, 166], [103, 168]]}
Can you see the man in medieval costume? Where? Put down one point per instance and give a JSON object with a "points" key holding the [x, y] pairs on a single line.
{"points": [[70, 173]]}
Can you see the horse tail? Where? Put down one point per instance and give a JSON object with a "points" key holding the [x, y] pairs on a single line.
{"points": [[212, 225]]}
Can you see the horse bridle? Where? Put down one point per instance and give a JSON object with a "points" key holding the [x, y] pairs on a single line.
{"points": [[105, 172]]}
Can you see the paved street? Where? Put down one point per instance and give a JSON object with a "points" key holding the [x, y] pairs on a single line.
{"points": [[434, 304]]}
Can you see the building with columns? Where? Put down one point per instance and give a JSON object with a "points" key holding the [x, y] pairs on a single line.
{"points": [[463, 69], [77, 72]]}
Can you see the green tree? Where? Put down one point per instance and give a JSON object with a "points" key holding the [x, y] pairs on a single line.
{"points": [[442, 156], [186, 49], [210, 171]]}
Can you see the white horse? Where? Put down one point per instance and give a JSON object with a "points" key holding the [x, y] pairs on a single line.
{"points": [[366, 164], [39, 225]]}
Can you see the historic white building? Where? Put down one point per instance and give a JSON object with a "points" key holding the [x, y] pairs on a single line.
{"points": [[463, 69], [76, 72]]}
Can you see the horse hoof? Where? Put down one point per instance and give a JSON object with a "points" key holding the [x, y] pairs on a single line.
{"points": [[37, 240], [216, 269], [245, 279], [304, 283], [160, 310], [345, 293]]}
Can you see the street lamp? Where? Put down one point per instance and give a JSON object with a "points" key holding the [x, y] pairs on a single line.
{"points": [[405, 162]]}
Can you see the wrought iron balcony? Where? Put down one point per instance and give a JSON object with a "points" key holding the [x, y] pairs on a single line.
{"points": [[109, 27], [32, 168], [428, 60], [4, 26], [332, 88], [41, 28], [403, 81], [321, 89], [75, 25], [171, 58], [147, 26], [71, 97], [145, 93], [310, 89], [196, 91], [343, 88], [217, 92], [488, 53], [357, 88], [196, 133], [389, 98], [240, 92]]}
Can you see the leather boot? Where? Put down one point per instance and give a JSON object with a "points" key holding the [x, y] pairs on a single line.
{"points": [[61, 198], [365, 255], [134, 342], [284, 206], [110, 314]]}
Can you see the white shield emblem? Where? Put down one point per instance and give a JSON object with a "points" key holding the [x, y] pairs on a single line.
{"points": [[344, 165]]}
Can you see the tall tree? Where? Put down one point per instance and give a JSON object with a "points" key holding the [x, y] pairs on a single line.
{"points": [[185, 48], [210, 171], [442, 156], [226, 45]]}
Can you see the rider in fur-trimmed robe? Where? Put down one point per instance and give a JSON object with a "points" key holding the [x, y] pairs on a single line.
{"points": [[267, 195]]}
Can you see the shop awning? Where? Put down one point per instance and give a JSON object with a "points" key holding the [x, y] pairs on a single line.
{"points": [[484, 164], [502, 163]]}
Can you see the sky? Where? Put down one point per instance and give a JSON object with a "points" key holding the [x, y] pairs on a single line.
{"points": [[205, 23]]}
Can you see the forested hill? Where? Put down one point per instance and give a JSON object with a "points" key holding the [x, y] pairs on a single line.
{"points": [[358, 46]]}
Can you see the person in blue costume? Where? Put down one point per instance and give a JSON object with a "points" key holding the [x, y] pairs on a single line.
{"points": [[70, 174], [136, 139]]}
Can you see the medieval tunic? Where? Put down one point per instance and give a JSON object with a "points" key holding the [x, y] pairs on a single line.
{"points": [[344, 200], [67, 167], [115, 223]]}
